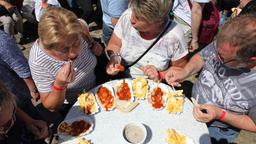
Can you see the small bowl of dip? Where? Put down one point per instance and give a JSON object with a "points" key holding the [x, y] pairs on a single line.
{"points": [[135, 133]]}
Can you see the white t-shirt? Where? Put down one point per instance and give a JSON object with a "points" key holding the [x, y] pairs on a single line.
{"points": [[38, 6], [170, 47], [182, 10]]}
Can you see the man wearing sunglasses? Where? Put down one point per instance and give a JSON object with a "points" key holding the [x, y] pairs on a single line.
{"points": [[226, 86]]}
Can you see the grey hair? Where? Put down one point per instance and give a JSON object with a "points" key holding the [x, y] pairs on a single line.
{"points": [[6, 97], [242, 38], [151, 10]]}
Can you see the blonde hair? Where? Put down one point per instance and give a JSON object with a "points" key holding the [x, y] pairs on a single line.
{"points": [[6, 97], [151, 10], [57, 25]]}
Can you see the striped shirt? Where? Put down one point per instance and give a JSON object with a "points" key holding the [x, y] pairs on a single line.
{"points": [[44, 69]]}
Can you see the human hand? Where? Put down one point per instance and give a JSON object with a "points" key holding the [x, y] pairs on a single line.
{"points": [[151, 72], [39, 128], [6, 4], [35, 95], [235, 12], [65, 75], [175, 75], [194, 45], [44, 3], [113, 65], [211, 112], [96, 49]]}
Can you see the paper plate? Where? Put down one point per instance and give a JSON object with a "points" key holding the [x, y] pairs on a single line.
{"points": [[110, 88], [165, 90], [140, 88], [64, 135], [129, 83]]}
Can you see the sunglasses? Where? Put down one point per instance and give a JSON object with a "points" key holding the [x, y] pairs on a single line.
{"points": [[234, 63]]}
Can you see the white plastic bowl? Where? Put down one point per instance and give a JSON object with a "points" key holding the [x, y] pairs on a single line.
{"points": [[135, 133]]}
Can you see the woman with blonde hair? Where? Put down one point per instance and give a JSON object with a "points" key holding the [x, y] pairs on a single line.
{"points": [[139, 27], [62, 60]]}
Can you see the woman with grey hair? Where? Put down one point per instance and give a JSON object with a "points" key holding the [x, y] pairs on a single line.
{"points": [[138, 27]]}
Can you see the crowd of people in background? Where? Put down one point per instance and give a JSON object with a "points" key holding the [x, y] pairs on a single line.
{"points": [[161, 40]]}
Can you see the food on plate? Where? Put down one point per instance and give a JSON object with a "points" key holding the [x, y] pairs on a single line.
{"points": [[120, 68], [83, 141], [75, 128], [177, 93], [174, 137], [156, 98], [106, 98], [175, 101], [124, 91], [88, 103], [140, 88]]}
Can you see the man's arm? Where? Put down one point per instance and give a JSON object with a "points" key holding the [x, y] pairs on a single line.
{"points": [[32, 87], [240, 121], [180, 62], [174, 75], [113, 21], [6, 4], [194, 65], [196, 18], [215, 113], [115, 9]]}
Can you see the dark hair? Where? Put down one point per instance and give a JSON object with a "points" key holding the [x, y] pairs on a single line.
{"points": [[6, 97], [240, 32]]}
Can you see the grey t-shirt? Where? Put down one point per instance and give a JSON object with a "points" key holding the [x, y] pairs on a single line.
{"points": [[230, 89]]}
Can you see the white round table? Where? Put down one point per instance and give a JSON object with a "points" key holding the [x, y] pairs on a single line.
{"points": [[108, 125]]}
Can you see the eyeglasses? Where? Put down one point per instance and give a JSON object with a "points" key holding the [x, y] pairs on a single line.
{"points": [[7, 127], [221, 59], [234, 63]]}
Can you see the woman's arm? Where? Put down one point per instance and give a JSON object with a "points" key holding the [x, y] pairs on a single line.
{"points": [[112, 52], [196, 18], [55, 98], [114, 45]]}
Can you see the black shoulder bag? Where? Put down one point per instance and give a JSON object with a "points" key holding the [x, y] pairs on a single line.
{"points": [[150, 47]]}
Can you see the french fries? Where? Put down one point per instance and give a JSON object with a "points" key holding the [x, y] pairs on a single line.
{"points": [[173, 137]]}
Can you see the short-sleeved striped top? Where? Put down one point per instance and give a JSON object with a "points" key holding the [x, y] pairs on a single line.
{"points": [[44, 69]]}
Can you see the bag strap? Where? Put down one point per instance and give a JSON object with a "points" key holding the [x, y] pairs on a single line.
{"points": [[190, 4], [150, 47]]}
